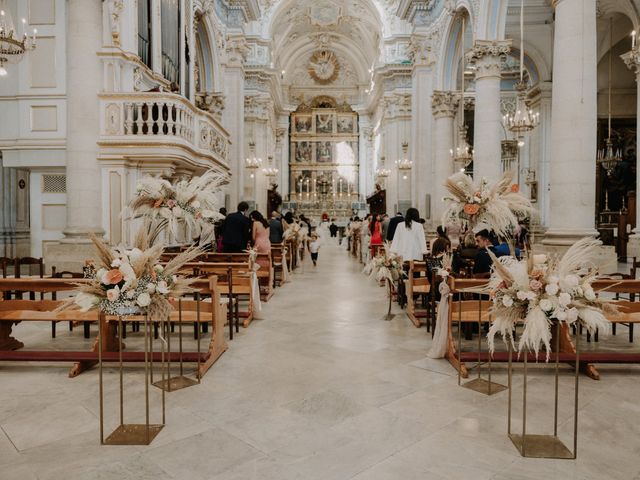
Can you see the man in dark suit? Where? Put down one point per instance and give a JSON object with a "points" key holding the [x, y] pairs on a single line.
{"points": [[275, 228], [237, 228], [483, 262], [393, 224]]}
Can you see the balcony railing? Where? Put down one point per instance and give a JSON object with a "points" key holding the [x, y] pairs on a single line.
{"points": [[162, 121]]}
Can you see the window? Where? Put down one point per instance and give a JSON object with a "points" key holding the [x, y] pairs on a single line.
{"points": [[170, 25], [144, 31]]}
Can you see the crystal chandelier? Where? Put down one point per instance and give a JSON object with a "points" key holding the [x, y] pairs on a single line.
{"points": [[524, 119], [462, 153], [12, 47], [404, 164], [270, 171], [607, 156], [252, 163]]}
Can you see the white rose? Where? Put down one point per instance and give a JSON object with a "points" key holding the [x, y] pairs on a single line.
{"points": [[530, 296], [151, 288], [589, 294], [572, 315], [572, 280], [86, 301], [522, 295], [162, 287], [113, 294], [546, 305], [116, 263], [144, 299], [195, 204], [130, 294], [100, 273], [507, 301], [561, 315], [564, 299], [551, 289], [128, 273], [539, 259], [177, 212], [135, 255]]}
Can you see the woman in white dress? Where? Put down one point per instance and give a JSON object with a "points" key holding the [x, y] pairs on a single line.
{"points": [[409, 241]]}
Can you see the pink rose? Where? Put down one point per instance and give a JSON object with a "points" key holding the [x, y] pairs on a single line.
{"points": [[112, 277], [171, 203], [535, 285]]}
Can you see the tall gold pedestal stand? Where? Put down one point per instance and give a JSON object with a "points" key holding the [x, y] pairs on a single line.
{"points": [[180, 381], [129, 433], [478, 384], [389, 316], [545, 446]]}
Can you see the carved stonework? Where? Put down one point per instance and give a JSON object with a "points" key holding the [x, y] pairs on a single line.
{"points": [[258, 108], [324, 67], [632, 60], [213, 141], [397, 105], [419, 50], [212, 102], [487, 55], [444, 103], [112, 119], [115, 9], [237, 50]]}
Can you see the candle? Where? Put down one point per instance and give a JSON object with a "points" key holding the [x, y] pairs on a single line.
{"points": [[633, 39]]}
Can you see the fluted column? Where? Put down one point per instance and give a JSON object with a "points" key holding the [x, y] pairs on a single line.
{"points": [[233, 115], [421, 123], [632, 60], [83, 82], [574, 108], [443, 104], [487, 118]]}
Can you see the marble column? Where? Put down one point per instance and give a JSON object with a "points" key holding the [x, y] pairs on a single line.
{"points": [[488, 119], [421, 125], [574, 106], [632, 60], [233, 115], [83, 82], [444, 105]]}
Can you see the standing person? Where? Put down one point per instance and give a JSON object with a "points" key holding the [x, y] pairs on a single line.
{"points": [[275, 228], [393, 224], [376, 233], [218, 228], [236, 230], [288, 220], [260, 232], [333, 228], [409, 241], [314, 247], [385, 226]]}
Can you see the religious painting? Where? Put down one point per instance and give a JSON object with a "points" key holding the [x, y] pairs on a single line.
{"points": [[324, 123], [345, 124], [324, 152], [303, 124], [324, 182], [303, 152]]}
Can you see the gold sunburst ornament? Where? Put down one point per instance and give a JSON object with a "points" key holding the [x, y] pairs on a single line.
{"points": [[324, 67]]}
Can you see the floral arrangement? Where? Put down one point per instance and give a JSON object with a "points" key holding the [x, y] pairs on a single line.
{"points": [[193, 202], [127, 280], [499, 205], [539, 289], [385, 265]]}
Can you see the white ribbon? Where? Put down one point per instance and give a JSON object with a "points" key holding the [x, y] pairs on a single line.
{"points": [[441, 332]]}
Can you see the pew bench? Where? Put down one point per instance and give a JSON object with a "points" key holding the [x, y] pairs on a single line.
{"points": [[418, 285]]}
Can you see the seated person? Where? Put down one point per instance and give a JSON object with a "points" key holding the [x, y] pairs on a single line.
{"points": [[483, 261], [501, 248]]}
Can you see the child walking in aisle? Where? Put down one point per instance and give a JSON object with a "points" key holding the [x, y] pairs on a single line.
{"points": [[314, 246]]}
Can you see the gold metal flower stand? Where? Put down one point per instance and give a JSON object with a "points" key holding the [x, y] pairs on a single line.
{"points": [[479, 384], [129, 433], [180, 381], [545, 446], [389, 316]]}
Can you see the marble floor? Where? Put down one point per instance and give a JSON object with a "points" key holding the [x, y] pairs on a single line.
{"points": [[320, 388]]}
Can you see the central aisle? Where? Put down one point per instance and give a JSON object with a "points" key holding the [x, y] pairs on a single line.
{"points": [[321, 389]]}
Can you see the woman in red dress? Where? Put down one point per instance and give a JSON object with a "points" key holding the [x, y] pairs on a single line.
{"points": [[376, 234]]}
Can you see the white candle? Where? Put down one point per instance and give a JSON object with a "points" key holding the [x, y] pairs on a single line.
{"points": [[633, 39]]}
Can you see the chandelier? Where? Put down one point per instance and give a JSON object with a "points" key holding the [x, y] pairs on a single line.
{"points": [[382, 172], [270, 171], [12, 47], [607, 156], [524, 119], [462, 153], [404, 164], [252, 163]]}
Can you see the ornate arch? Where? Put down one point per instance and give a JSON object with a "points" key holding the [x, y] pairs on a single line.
{"points": [[450, 47]]}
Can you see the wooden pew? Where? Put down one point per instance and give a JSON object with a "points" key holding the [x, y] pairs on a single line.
{"points": [[241, 288], [418, 286], [629, 315], [16, 311], [277, 263]]}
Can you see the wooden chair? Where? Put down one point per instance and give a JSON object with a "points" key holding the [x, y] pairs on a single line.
{"points": [[277, 259], [5, 263], [54, 296], [29, 261], [418, 285]]}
